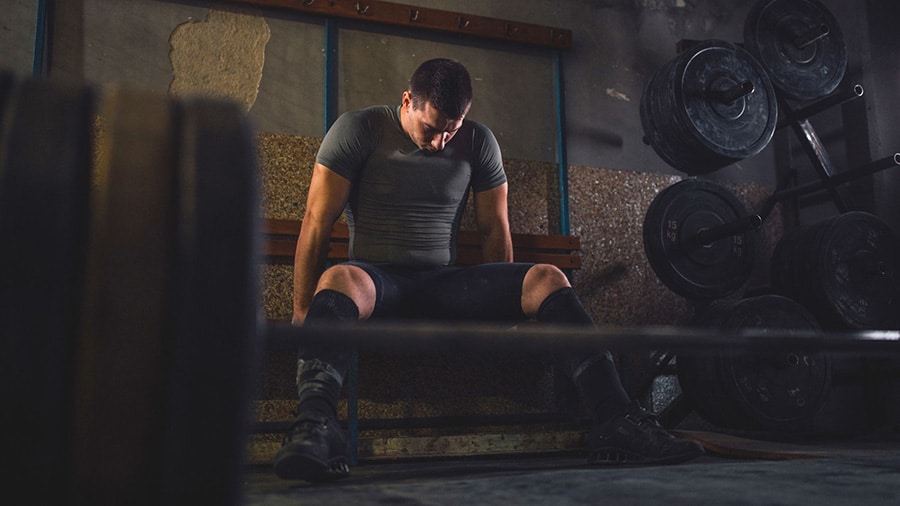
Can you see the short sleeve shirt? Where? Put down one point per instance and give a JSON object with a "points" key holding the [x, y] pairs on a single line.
{"points": [[405, 204]]}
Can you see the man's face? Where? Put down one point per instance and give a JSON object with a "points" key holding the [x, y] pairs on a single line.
{"points": [[428, 128]]}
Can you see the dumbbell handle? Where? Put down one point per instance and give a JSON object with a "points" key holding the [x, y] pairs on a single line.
{"points": [[710, 235]]}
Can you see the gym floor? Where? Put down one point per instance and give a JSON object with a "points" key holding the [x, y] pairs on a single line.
{"points": [[864, 470]]}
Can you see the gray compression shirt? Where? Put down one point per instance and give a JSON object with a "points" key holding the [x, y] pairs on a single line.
{"points": [[405, 204]]}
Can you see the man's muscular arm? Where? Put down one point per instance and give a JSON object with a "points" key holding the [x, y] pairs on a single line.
{"points": [[328, 194], [492, 220]]}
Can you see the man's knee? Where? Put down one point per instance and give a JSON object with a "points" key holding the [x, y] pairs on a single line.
{"points": [[540, 281], [353, 282]]}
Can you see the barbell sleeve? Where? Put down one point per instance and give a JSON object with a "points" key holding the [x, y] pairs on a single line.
{"points": [[747, 223]]}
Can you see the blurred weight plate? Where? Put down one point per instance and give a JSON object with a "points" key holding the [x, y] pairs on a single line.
{"points": [[782, 390], [800, 44], [215, 304], [845, 269], [122, 355], [44, 186]]}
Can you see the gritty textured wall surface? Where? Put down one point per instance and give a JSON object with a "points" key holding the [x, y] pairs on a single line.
{"points": [[616, 282]]}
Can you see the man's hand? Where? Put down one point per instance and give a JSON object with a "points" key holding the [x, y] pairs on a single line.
{"points": [[299, 316]]}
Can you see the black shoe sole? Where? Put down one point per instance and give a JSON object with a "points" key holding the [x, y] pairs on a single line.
{"points": [[290, 464]]}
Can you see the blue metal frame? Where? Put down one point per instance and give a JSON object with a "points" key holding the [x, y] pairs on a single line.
{"points": [[561, 144], [40, 39], [330, 71]]}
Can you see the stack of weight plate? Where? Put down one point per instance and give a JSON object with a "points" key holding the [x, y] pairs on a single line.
{"points": [[715, 104]]}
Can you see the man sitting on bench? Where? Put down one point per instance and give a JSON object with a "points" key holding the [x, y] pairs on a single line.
{"points": [[403, 173]]}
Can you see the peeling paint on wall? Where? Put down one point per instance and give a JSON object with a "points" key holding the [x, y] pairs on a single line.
{"points": [[222, 56]]}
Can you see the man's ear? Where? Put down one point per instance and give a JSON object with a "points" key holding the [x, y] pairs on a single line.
{"points": [[406, 100]]}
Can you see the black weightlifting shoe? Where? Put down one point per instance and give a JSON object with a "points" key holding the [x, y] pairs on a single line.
{"points": [[314, 449], [635, 437]]}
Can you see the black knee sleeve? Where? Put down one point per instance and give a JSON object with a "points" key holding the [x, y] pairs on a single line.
{"points": [[563, 306], [333, 306]]}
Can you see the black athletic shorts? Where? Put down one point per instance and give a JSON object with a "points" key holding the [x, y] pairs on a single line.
{"points": [[485, 292]]}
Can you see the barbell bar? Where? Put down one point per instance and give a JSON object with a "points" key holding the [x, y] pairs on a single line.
{"points": [[416, 336]]}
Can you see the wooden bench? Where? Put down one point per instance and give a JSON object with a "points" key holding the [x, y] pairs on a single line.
{"points": [[563, 251], [280, 241]]}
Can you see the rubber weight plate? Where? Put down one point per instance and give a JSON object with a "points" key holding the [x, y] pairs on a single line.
{"points": [[673, 220], [711, 106], [216, 305], [800, 44], [122, 356], [846, 269], [782, 390], [44, 186]]}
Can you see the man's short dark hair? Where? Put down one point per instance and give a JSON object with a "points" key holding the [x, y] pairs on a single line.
{"points": [[445, 83]]}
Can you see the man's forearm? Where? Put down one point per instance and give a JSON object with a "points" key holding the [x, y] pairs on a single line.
{"points": [[497, 247], [309, 260]]}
